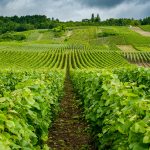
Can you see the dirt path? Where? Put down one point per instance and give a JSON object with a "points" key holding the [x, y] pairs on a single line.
{"points": [[146, 65], [69, 129], [40, 37], [126, 48], [69, 33], [140, 64], [140, 31]]}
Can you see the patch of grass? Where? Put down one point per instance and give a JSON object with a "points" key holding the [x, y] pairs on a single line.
{"points": [[143, 48], [107, 32], [125, 36], [145, 27], [12, 36]]}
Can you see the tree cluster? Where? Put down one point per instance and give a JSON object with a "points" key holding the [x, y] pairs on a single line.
{"points": [[25, 23], [145, 21], [12, 36], [121, 22], [115, 22], [93, 19]]}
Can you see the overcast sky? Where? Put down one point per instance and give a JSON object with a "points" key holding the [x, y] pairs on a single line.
{"points": [[76, 9]]}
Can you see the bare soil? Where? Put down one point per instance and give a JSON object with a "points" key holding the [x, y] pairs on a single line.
{"points": [[146, 65], [69, 131], [126, 48], [140, 31], [40, 37], [69, 33], [141, 64]]}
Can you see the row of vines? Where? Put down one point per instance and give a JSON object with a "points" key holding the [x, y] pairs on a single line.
{"points": [[29, 101], [141, 58], [116, 105], [58, 59]]}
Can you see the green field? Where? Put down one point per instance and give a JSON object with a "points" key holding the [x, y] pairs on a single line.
{"points": [[145, 27], [112, 85], [94, 44]]}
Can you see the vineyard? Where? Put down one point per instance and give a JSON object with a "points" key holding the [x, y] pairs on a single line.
{"points": [[139, 58], [77, 91], [28, 103], [58, 58], [116, 104]]}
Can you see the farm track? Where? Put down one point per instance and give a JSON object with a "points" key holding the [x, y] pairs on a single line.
{"points": [[40, 37], [140, 31], [69, 129]]}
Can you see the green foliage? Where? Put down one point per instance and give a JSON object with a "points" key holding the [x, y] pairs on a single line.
{"points": [[121, 22], [25, 23], [145, 21], [137, 57], [107, 33], [28, 103], [139, 76], [24, 27], [146, 27], [59, 30], [116, 104], [12, 36], [123, 36], [95, 19], [40, 57]]}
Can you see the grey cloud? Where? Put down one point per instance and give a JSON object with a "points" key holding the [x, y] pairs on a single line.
{"points": [[108, 3], [76, 9], [4, 2], [101, 3]]}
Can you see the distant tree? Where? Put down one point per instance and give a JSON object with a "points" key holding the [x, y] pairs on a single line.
{"points": [[121, 22], [97, 19], [9, 26], [15, 18], [57, 20], [24, 27], [53, 19], [7, 36], [145, 21], [136, 22], [92, 18], [11, 36], [19, 37], [23, 23]]}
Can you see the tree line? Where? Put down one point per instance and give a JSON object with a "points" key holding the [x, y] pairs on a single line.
{"points": [[116, 22], [25, 23], [28, 22]]}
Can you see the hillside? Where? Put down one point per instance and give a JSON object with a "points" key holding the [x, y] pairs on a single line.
{"points": [[92, 42], [80, 88]]}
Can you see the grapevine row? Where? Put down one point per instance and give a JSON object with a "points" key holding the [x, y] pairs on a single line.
{"points": [[58, 59], [142, 58], [28, 102], [116, 105]]}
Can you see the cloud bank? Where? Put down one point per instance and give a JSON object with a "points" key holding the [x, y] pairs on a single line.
{"points": [[76, 9]]}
